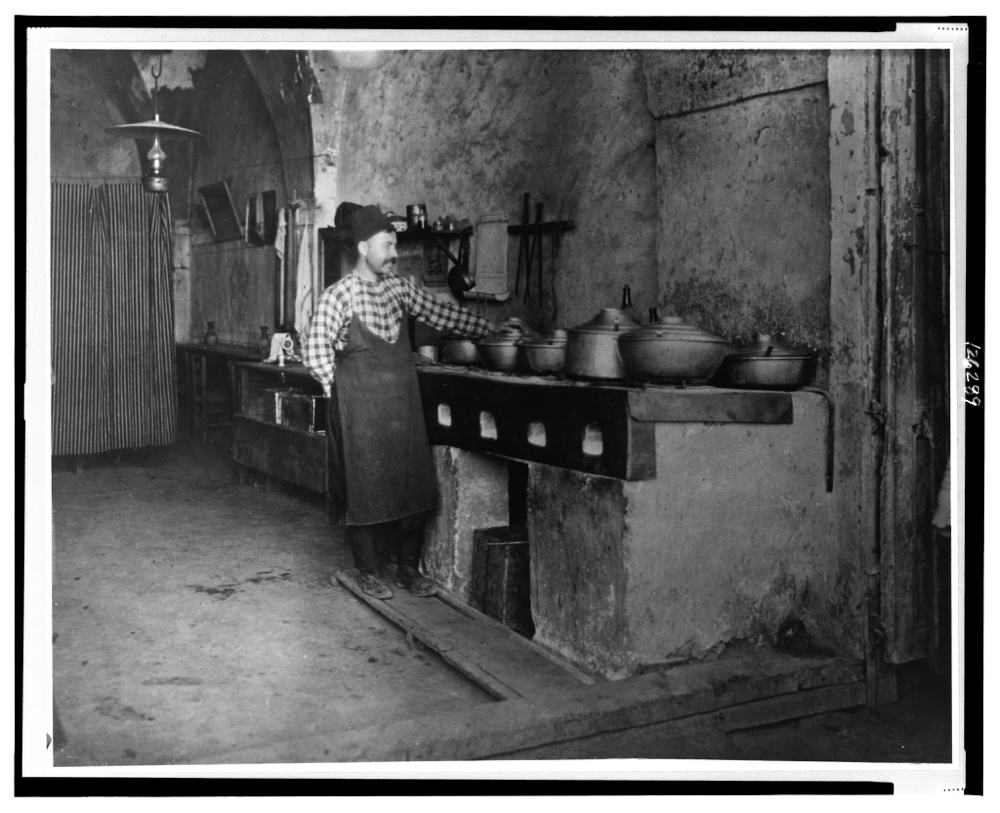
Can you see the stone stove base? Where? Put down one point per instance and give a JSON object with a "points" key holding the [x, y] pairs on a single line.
{"points": [[730, 539]]}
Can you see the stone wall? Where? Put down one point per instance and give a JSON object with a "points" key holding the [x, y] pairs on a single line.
{"points": [[233, 282], [743, 170], [92, 90], [469, 132], [732, 539]]}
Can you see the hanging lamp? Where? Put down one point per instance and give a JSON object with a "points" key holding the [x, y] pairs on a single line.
{"points": [[153, 179]]}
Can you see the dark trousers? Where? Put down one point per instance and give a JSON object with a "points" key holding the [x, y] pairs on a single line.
{"points": [[371, 545]]}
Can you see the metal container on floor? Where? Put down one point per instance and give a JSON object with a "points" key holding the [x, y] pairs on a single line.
{"points": [[501, 582]]}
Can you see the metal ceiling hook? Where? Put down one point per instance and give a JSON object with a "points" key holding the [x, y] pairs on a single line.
{"points": [[156, 88]]}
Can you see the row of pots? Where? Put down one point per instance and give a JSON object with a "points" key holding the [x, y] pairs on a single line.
{"points": [[512, 347], [612, 346]]}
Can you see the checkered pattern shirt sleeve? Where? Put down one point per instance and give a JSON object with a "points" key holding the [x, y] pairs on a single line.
{"points": [[381, 305], [443, 315]]}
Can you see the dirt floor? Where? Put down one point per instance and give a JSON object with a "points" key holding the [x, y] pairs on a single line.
{"points": [[194, 617]]}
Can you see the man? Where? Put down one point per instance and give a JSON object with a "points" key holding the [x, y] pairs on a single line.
{"points": [[358, 348]]}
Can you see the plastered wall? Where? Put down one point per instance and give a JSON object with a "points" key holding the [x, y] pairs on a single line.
{"points": [[743, 169], [83, 102], [233, 283], [469, 132]]}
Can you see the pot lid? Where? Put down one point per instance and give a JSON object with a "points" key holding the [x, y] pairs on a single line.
{"points": [[500, 339], [674, 329], [512, 324], [556, 339], [608, 320], [767, 346]]}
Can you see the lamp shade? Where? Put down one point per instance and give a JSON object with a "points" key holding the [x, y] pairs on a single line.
{"points": [[153, 129], [153, 180]]}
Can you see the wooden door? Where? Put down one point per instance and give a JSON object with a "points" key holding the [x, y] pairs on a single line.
{"points": [[911, 416]]}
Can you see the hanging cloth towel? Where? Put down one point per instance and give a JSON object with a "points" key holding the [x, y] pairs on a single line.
{"points": [[279, 250], [279, 238], [303, 286]]}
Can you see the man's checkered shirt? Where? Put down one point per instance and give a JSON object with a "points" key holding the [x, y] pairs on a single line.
{"points": [[381, 305]]}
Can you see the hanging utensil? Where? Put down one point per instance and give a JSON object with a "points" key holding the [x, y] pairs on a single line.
{"points": [[531, 249], [522, 248], [540, 267], [459, 279], [555, 265]]}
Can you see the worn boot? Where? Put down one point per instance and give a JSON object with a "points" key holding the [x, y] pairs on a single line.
{"points": [[373, 585], [414, 581]]}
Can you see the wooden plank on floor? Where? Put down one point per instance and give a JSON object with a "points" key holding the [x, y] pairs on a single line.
{"points": [[505, 665], [473, 613], [701, 736], [789, 706], [566, 714]]}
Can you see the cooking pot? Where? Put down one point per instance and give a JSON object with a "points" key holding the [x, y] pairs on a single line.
{"points": [[544, 354], [592, 348], [671, 351], [767, 365], [498, 351], [455, 349]]}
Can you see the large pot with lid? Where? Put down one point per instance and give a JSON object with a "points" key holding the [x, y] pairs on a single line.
{"points": [[768, 365], [592, 348], [672, 351]]}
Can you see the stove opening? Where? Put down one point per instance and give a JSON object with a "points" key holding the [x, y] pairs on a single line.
{"points": [[487, 426], [593, 440], [444, 415], [536, 433]]}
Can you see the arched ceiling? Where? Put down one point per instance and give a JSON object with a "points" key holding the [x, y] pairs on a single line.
{"points": [[289, 88], [124, 82]]}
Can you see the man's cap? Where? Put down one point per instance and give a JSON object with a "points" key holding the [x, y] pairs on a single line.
{"points": [[368, 221]]}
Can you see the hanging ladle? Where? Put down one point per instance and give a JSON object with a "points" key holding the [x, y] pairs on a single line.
{"points": [[459, 279]]}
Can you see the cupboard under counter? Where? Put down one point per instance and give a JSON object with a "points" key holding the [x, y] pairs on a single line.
{"points": [[295, 453]]}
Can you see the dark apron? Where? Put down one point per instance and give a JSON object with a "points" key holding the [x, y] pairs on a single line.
{"points": [[381, 467]]}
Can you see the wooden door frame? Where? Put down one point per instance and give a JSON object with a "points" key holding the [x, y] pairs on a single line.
{"points": [[884, 387], [856, 338]]}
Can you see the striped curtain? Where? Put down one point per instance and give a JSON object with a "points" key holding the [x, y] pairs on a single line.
{"points": [[113, 351]]}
